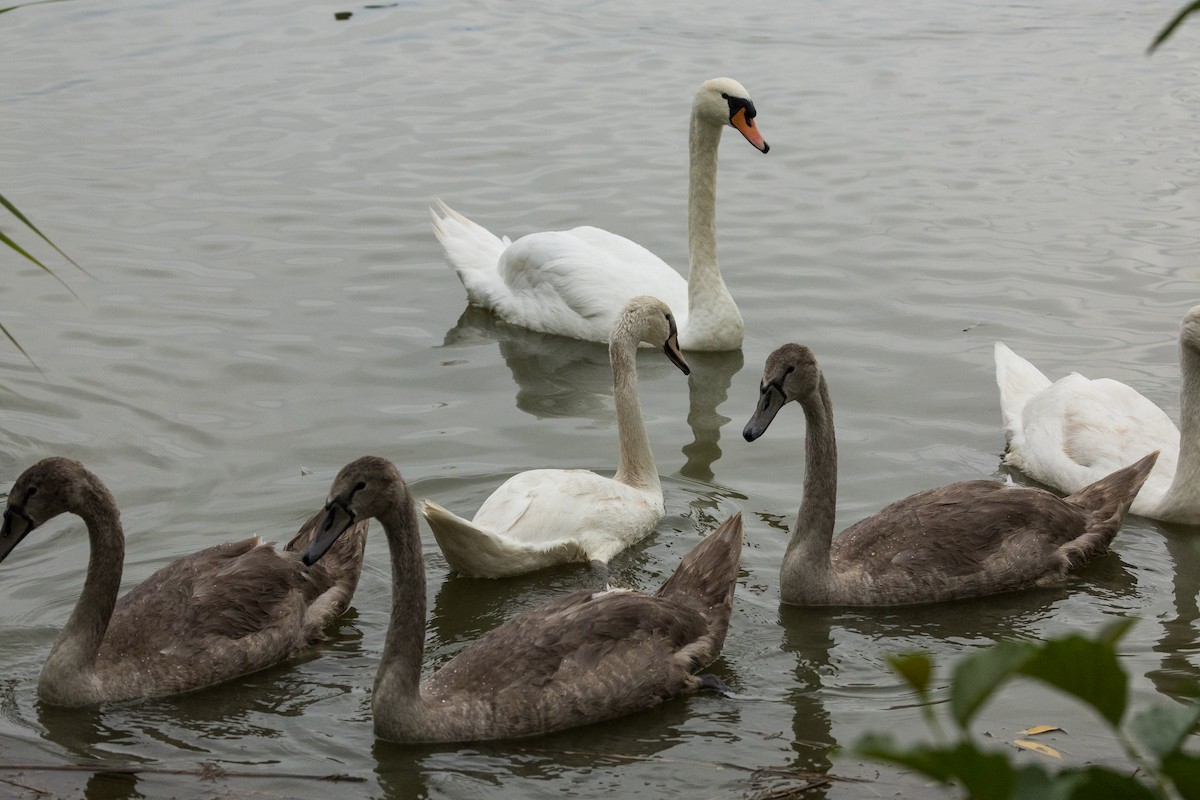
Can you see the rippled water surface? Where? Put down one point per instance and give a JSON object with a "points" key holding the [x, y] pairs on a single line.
{"points": [[247, 185]]}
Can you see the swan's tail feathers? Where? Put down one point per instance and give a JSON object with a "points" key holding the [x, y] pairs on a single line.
{"points": [[473, 251], [1019, 381], [478, 553], [335, 575], [1108, 500], [707, 577]]}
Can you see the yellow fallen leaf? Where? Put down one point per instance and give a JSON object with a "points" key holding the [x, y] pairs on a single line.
{"points": [[1036, 729], [1037, 747]]}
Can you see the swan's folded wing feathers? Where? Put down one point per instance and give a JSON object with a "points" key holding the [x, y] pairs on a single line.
{"points": [[960, 529], [228, 591], [575, 282], [574, 633], [1080, 430], [1108, 426], [541, 506]]}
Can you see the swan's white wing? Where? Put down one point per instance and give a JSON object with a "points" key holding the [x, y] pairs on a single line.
{"points": [[482, 553], [1077, 430], [543, 517], [544, 505], [575, 283]]}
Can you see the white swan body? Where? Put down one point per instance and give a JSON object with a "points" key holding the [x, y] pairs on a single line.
{"points": [[543, 517], [585, 657], [574, 283], [1073, 431], [217, 614]]}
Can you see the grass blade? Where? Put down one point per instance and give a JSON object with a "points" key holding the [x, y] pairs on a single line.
{"points": [[17, 213], [1166, 32]]}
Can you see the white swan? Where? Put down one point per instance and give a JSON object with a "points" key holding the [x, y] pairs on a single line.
{"points": [[1070, 432], [553, 516], [574, 283], [585, 657], [960, 540], [208, 617]]}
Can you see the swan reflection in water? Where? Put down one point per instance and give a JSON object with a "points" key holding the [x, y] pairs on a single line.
{"points": [[565, 378]]}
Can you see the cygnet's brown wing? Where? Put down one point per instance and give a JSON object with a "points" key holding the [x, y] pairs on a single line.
{"points": [[223, 612], [585, 657], [976, 528]]}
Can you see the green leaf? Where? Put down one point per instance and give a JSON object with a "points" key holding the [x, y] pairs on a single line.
{"points": [[1100, 783], [1162, 729], [985, 776], [915, 668], [20, 250], [1035, 783], [1090, 783], [16, 212], [1175, 22], [1084, 668], [17, 345], [978, 677], [1184, 772], [1114, 631]]}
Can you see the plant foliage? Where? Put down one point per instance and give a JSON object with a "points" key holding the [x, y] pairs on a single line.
{"points": [[1082, 667], [8, 241], [1176, 21]]}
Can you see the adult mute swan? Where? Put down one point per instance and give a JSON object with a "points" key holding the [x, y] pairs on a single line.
{"points": [[1068, 433], [208, 617], [962, 540], [574, 283], [543, 517], [586, 657]]}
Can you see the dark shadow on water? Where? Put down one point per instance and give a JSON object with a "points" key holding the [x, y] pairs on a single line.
{"points": [[472, 769], [112, 786], [83, 733], [88, 738]]}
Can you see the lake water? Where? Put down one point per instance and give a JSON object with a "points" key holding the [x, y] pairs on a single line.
{"points": [[247, 185]]}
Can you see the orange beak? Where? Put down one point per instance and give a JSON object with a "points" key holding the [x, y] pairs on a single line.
{"points": [[746, 126]]}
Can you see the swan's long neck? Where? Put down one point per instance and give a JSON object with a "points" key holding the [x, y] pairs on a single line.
{"points": [[635, 465], [712, 313], [1186, 483], [397, 697], [68, 676], [807, 561]]}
